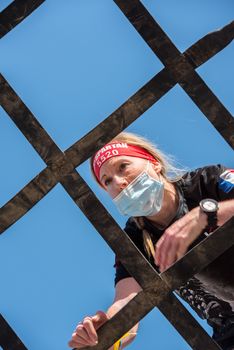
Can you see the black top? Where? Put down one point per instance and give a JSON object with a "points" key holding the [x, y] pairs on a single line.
{"points": [[209, 182]]}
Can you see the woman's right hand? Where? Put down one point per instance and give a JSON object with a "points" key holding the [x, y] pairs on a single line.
{"points": [[85, 333]]}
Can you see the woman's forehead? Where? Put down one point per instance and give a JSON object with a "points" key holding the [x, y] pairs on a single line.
{"points": [[110, 164]]}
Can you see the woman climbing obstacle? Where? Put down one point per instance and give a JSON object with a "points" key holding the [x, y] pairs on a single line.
{"points": [[169, 212]]}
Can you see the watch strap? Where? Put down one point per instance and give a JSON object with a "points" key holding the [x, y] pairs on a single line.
{"points": [[212, 218], [212, 221]]}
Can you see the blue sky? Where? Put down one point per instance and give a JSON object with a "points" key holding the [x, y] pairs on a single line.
{"points": [[73, 63]]}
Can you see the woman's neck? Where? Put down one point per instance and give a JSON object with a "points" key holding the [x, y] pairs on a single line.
{"points": [[169, 207]]}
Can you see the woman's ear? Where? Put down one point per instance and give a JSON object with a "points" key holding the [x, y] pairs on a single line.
{"points": [[157, 167]]}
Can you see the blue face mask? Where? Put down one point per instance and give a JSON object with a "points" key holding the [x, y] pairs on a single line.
{"points": [[142, 197]]}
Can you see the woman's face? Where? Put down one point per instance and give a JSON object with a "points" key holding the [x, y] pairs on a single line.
{"points": [[117, 172]]}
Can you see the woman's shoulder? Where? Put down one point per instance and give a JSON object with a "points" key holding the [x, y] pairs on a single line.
{"points": [[207, 182], [208, 170]]}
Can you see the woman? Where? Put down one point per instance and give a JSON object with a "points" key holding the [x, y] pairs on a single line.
{"points": [[169, 213]]}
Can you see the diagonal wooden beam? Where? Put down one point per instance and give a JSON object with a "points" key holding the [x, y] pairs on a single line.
{"points": [[29, 196], [180, 68], [209, 45], [15, 13], [8, 338], [27, 123]]}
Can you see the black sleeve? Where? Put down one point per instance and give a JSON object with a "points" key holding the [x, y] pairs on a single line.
{"points": [[135, 235], [120, 271], [214, 181]]}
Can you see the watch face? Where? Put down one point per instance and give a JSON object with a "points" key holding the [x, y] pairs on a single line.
{"points": [[209, 205]]}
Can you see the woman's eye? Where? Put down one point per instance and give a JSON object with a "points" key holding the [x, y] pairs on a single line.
{"points": [[123, 166], [106, 182]]}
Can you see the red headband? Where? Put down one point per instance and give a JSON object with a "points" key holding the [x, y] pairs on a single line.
{"points": [[118, 149]]}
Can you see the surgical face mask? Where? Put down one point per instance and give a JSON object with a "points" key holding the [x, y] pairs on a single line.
{"points": [[142, 197]]}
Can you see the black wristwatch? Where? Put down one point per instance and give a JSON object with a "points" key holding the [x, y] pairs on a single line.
{"points": [[210, 208]]}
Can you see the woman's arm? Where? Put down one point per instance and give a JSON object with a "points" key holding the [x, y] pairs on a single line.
{"points": [[126, 289], [85, 333], [177, 238], [226, 211]]}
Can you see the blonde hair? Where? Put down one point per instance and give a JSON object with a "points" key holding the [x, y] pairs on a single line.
{"points": [[168, 170]]}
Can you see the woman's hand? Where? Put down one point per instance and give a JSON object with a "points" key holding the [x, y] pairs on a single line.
{"points": [[176, 239], [85, 333]]}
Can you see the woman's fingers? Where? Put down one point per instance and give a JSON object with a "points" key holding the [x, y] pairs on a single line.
{"points": [[89, 327], [181, 251], [176, 239], [78, 344], [165, 248], [168, 254], [85, 333], [171, 246], [78, 341], [99, 319], [158, 251]]}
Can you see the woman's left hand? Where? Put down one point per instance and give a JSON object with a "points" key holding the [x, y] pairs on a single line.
{"points": [[176, 239]]}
